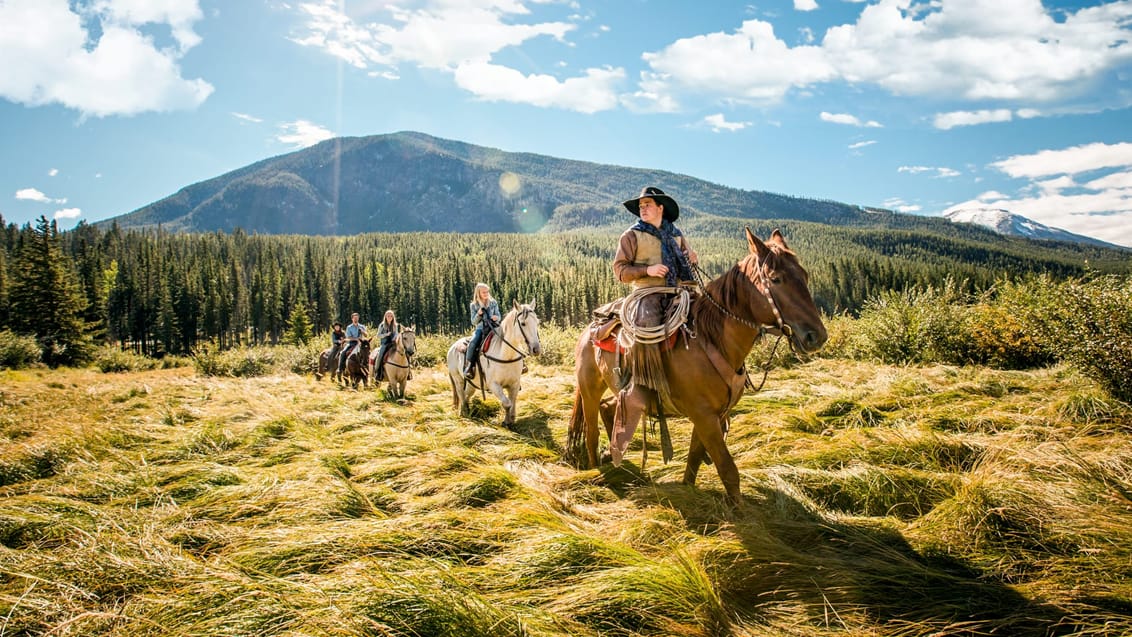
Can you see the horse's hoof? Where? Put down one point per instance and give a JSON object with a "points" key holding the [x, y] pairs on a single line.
{"points": [[606, 457]]}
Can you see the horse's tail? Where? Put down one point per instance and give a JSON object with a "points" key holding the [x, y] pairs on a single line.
{"points": [[455, 398], [576, 434]]}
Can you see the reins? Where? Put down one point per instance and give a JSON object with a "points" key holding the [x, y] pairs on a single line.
{"points": [[503, 339], [781, 326]]}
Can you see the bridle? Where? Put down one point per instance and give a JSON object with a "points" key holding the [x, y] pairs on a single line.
{"points": [[519, 321], [763, 286]]}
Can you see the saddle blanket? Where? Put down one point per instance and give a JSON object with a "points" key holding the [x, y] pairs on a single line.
{"points": [[609, 343], [462, 346]]}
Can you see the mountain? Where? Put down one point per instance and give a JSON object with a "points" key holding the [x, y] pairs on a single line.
{"points": [[410, 181], [1006, 223]]}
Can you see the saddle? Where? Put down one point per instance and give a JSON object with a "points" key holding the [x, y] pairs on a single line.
{"points": [[462, 347], [604, 337]]}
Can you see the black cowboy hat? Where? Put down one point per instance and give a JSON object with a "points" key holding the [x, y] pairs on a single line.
{"points": [[671, 208]]}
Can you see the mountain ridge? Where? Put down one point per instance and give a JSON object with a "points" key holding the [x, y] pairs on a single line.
{"points": [[411, 181], [1007, 223]]}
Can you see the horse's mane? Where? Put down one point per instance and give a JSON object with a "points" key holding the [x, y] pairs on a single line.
{"points": [[727, 289]]}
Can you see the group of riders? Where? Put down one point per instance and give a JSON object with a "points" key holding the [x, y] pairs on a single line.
{"points": [[652, 256], [485, 317]]}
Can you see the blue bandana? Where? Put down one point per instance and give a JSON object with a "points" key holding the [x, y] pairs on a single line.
{"points": [[670, 253]]}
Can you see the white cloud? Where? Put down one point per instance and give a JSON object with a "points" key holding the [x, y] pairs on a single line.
{"points": [[443, 35], [461, 38], [863, 144], [947, 121], [970, 50], [899, 205], [1069, 161], [68, 213], [750, 64], [53, 172], [244, 117], [805, 5], [593, 92], [33, 194], [301, 133], [116, 68], [718, 123], [940, 171], [847, 119]]}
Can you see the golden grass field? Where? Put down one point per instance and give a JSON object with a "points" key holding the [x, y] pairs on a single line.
{"points": [[880, 500]]}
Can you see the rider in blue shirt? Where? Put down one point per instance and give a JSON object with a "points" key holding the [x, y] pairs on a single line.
{"points": [[355, 331]]}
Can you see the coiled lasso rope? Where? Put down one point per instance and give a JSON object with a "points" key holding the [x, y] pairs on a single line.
{"points": [[632, 333]]}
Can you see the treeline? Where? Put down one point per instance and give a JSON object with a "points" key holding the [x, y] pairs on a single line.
{"points": [[157, 292]]}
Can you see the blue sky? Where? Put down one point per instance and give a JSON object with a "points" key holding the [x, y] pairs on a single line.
{"points": [[915, 105]]}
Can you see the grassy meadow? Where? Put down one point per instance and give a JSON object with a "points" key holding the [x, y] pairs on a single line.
{"points": [[879, 500]]}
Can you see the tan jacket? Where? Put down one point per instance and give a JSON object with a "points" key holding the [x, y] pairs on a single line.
{"points": [[636, 251]]}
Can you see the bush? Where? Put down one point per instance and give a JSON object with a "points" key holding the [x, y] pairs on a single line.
{"points": [[913, 326], [299, 359], [1000, 337], [17, 351], [112, 359], [237, 362], [1087, 324]]}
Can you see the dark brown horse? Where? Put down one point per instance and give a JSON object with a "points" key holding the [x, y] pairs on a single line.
{"points": [[357, 364], [767, 289]]}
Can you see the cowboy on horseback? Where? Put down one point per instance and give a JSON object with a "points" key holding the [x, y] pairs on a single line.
{"points": [[654, 257], [485, 317], [354, 333]]}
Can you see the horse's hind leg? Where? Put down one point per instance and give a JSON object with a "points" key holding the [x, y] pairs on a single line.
{"points": [[695, 459]]}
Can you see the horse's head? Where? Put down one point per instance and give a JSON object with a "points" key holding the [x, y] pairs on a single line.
{"points": [[775, 271], [525, 323], [408, 340]]}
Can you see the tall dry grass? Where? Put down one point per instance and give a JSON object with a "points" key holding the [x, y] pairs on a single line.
{"points": [[879, 500]]}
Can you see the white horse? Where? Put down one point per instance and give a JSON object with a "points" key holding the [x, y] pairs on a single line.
{"points": [[397, 363], [502, 361]]}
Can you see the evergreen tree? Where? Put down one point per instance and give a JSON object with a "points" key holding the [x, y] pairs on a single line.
{"points": [[45, 297], [299, 330]]}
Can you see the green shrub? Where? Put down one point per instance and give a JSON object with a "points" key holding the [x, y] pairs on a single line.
{"points": [[17, 351], [299, 359], [1087, 324], [237, 362], [1000, 339], [913, 326], [112, 359]]}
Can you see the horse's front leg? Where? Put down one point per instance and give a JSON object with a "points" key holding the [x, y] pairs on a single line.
{"points": [[513, 398], [707, 429], [505, 401]]}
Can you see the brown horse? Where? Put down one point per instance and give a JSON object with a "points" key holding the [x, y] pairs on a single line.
{"points": [[767, 289], [357, 364], [327, 366]]}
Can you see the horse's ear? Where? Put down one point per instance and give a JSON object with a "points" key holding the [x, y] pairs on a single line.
{"points": [[532, 304], [755, 245], [777, 237], [515, 304]]}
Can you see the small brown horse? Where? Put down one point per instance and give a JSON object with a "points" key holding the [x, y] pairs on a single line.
{"points": [[357, 364], [767, 289], [327, 366]]}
